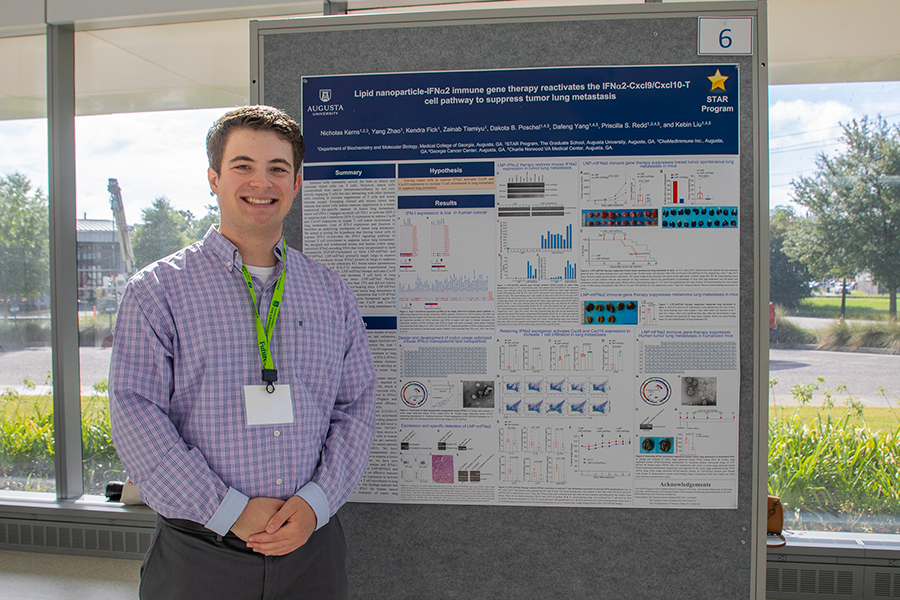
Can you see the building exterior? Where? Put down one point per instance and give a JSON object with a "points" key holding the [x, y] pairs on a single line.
{"points": [[100, 263]]}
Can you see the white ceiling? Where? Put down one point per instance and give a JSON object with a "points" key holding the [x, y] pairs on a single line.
{"points": [[206, 64], [827, 41]]}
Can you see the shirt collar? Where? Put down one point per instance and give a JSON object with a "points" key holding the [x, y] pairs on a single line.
{"points": [[228, 253]]}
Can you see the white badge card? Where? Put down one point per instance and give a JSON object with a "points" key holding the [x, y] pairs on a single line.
{"points": [[264, 408]]}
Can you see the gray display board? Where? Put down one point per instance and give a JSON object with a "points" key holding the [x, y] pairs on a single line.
{"points": [[435, 550]]}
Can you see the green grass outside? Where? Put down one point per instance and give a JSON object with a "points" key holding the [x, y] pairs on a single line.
{"points": [[878, 419], [30, 405], [27, 442], [44, 404], [869, 307]]}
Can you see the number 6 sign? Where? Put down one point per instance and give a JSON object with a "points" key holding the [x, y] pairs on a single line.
{"points": [[725, 36]]}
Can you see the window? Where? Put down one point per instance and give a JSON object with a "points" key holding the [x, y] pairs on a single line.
{"points": [[131, 213], [142, 190], [26, 398], [832, 458]]}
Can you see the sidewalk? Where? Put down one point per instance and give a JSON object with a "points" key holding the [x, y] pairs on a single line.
{"points": [[47, 390]]}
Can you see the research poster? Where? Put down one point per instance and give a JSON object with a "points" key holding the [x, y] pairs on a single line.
{"points": [[547, 262]]}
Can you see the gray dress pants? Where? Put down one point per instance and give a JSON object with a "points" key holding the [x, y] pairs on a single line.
{"points": [[186, 561]]}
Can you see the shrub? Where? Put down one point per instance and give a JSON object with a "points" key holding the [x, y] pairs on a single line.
{"points": [[24, 333], [94, 331], [26, 443], [789, 333], [837, 335], [830, 474]]}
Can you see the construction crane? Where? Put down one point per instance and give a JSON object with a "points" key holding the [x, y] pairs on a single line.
{"points": [[118, 209]]}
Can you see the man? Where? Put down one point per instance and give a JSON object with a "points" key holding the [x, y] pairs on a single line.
{"points": [[242, 389]]}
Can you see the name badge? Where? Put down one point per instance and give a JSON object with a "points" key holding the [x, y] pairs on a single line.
{"points": [[264, 408]]}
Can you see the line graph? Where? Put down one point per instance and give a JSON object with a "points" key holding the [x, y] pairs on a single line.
{"points": [[606, 189], [601, 452], [616, 249]]}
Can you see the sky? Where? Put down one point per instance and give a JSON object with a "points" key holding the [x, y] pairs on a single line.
{"points": [[804, 123], [163, 153], [150, 154]]}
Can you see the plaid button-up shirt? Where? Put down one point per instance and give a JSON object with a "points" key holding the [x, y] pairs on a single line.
{"points": [[186, 344]]}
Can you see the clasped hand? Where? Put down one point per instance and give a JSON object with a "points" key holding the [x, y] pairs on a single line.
{"points": [[275, 527]]}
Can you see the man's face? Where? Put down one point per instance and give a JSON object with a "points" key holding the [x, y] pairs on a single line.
{"points": [[255, 185]]}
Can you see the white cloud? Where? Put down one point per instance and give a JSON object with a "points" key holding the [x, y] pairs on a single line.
{"points": [[23, 149], [796, 122], [150, 154], [800, 130]]}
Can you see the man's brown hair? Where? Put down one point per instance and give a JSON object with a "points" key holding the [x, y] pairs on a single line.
{"points": [[256, 118]]}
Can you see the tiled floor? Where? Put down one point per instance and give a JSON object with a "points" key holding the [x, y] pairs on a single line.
{"points": [[35, 576]]}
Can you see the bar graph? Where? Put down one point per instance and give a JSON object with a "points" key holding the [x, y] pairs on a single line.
{"points": [[557, 241], [435, 266], [542, 235], [679, 189], [570, 272], [451, 288]]}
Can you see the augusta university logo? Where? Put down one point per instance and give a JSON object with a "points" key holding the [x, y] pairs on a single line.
{"points": [[324, 109]]}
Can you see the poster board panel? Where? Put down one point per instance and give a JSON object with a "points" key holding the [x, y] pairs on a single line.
{"points": [[425, 548]]}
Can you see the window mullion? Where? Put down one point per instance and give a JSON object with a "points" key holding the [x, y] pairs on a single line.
{"points": [[63, 263]]}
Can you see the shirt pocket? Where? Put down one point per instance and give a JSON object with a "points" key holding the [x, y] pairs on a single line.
{"points": [[318, 352]]}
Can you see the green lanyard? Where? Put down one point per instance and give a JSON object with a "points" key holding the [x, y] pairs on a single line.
{"points": [[264, 337]]}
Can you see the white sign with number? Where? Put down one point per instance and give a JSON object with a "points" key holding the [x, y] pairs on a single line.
{"points": [[726, 36]]}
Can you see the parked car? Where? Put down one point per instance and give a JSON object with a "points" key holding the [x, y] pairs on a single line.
{"points": [[836, 287]]}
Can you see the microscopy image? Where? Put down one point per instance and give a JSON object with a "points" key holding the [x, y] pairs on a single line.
{"points": [[698, 391], [478, 394]]}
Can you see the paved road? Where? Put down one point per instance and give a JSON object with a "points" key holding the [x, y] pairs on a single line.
{"points": [[34, 364], [863, 373]]}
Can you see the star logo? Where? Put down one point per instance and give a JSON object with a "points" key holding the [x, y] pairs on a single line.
{"points": [[718, 81]]}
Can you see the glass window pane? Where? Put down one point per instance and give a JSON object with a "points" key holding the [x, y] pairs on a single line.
{"points": [[26, 395], [141, 175], [834, 426], [142, 194]]}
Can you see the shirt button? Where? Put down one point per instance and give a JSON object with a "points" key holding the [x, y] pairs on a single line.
{"points": [[277, 433], [278, 481]]}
